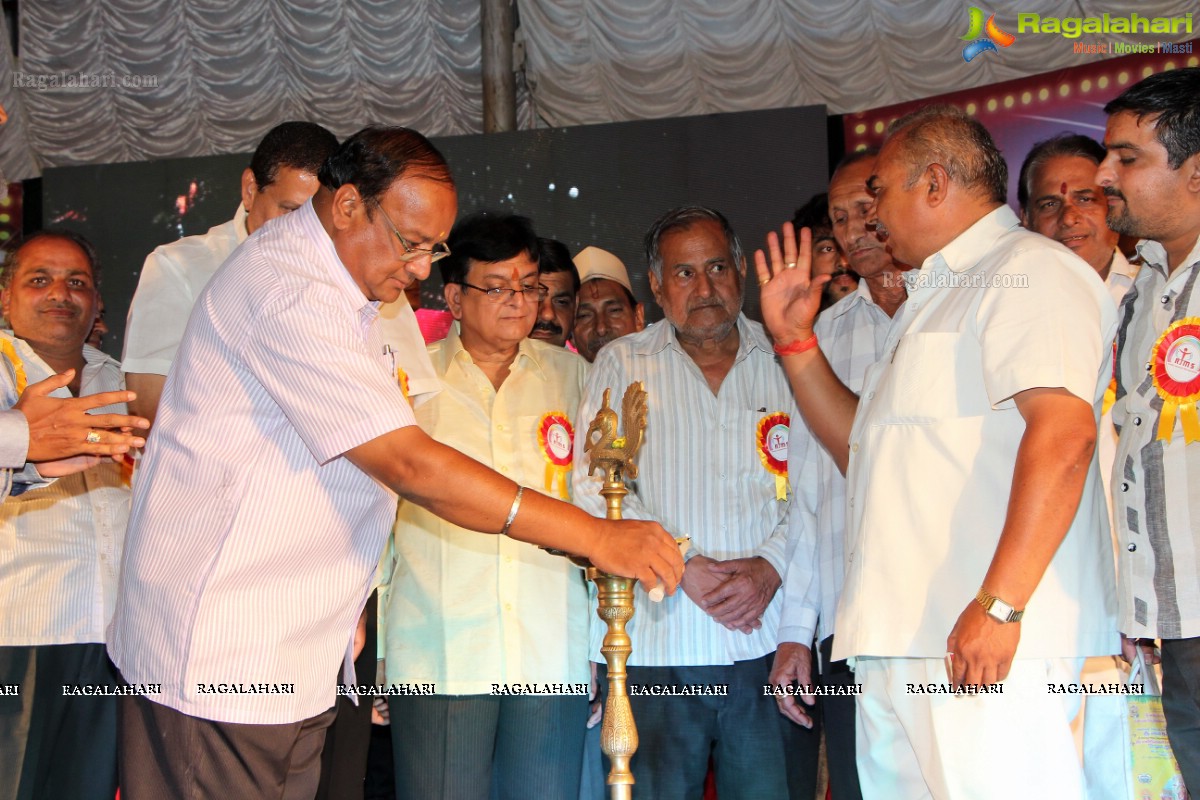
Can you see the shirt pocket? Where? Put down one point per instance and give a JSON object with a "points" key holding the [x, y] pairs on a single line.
{"points": [[922, 382]]}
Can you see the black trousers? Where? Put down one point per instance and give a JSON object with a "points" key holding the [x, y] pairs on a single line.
{"points": [[1181, 705], [54, 743], [757, 753], [348, 740], [838, 715], [168, 754]]}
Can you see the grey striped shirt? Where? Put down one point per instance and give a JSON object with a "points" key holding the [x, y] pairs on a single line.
{"points": [[699, 475], [1155, 485]]}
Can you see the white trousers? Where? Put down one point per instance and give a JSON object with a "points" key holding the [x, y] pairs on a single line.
{"points": [[1010, 745]]}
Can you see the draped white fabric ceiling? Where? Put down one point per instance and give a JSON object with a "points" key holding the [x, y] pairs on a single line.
{"points": [[225, 71]]}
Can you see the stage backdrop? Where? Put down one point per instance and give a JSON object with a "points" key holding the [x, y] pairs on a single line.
{"points": [[1022, 112], [591, 185]]}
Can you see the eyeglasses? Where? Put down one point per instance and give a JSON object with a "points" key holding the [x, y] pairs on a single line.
{"points": [[411, 252], [497, 294]]}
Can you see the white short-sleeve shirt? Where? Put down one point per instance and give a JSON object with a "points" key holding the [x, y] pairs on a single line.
{"points": [[997, 311]]}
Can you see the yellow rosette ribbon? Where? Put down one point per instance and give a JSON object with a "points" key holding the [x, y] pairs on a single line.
{"points": [[556, 440], [8, 351], [1110, 393], [772, 440], [402, 380], [1175, 370]]}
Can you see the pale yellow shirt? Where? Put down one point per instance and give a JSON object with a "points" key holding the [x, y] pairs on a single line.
{"points": [[466, 610]]}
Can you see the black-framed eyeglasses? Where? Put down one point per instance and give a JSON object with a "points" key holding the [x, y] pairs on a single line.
{"points": [[497, 294], [411, 251]]}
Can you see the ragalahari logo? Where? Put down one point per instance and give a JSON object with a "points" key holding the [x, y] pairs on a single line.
{"points": [[983, 36]]}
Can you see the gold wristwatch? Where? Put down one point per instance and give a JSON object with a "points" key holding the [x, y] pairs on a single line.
{"points": [[997, 608]]}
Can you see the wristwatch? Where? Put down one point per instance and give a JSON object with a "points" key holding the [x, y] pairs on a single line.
{"points": [[997, 608]]}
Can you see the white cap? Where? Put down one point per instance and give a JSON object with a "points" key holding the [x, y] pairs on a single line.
{"points": [[593, 263]]}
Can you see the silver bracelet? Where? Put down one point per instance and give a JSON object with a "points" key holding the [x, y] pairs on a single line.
{"points": [[512, 512]]}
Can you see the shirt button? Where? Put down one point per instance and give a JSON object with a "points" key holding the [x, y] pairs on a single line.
{"points": [[508, 606], [1137, 420], [1164, 299], [870, 395], [1124, 486], [852, 502], [504, 469], [508, 559], [1132, 548], [854, 447]]}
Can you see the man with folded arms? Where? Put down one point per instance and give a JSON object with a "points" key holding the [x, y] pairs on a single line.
{"points": [[713, 467]]}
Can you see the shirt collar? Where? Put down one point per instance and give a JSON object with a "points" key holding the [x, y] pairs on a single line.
{"points": [[1155, 255], [305, 219], [962, 253], [1120, 266], [860, 295], [663, 335], [527, 351], [92, 358], [239, 224]]}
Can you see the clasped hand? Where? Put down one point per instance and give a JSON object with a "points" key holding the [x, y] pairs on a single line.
{"points": [[735, 593]]}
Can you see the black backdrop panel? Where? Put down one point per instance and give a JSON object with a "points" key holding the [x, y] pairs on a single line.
{"points": [[590, 185]]}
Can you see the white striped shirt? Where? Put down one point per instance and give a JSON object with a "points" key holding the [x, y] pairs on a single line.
{"points": [[15, 474], [851, 333], [1155, 485], [699, 475], [253, 543], [175, 274], [61, 543]]}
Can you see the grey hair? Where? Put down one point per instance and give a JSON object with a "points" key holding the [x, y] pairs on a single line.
{"points": [[946, 135], [685, 217]]}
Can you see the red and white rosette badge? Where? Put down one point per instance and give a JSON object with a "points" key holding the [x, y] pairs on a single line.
{"points": [[1175, 368], [772, 439], [556, 440]]}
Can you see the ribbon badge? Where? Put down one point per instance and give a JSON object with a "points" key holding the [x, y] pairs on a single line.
{"points": [[402, 379], [772, 438], [556, 440], [1110, 394], [9, 353], [1175, 369]]}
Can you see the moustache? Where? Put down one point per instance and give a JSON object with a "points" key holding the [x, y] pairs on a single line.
{"points": [[840, 271], [548, 327], [61, 307], [1110, 191]]}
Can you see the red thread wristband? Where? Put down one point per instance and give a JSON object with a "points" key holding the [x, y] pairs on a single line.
{"points": [[799, 346]]}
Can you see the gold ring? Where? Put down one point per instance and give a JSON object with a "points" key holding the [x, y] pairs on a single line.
{"points": [[791, 265], [763, 281], [93, 437]]}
